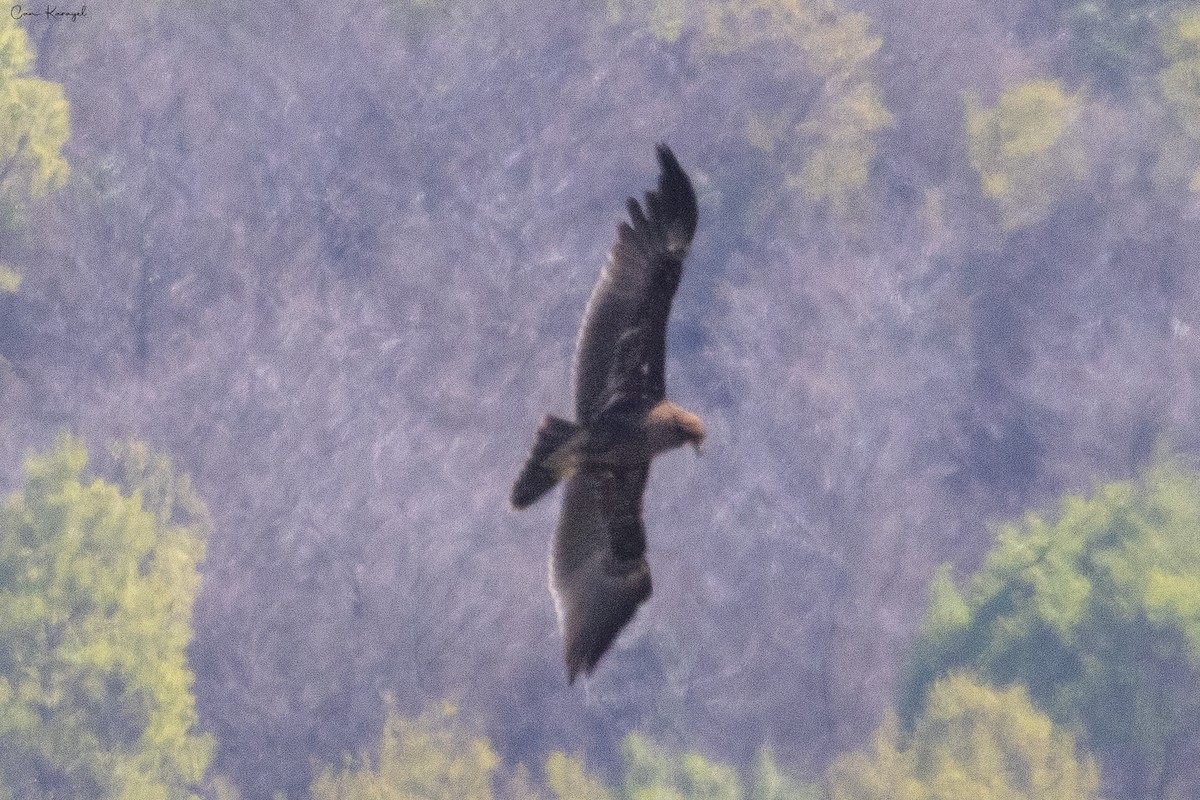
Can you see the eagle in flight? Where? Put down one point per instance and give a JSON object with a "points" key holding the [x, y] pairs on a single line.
{"points": [[598, 570]]}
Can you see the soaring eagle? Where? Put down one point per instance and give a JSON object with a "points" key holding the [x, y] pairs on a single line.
{"points": [[598, 570]]}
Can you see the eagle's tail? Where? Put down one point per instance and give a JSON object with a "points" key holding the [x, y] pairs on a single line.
{"points": [[549, 462]]}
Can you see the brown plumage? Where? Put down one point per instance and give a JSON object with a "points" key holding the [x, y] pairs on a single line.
{"points": [[598, 570]]}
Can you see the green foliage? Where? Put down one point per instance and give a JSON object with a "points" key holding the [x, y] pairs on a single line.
{"points": [[653, 773], [10, 280], [822, 140], [431, 757], [1096, 612], [1179, 84], [164, 492], [662, 19], [520, 786], [972, 740], [1181, 90], [96, 594], [1023, 149], [568, 779], [435, 756], [947, 613], [220, 788], [827, 36], [1181, 36], [826, 138], [843, 144], [34, 125], [768, 782]]}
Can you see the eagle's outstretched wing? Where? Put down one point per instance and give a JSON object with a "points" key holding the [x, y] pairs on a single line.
{"points": [[598, 570], [622, 340]]}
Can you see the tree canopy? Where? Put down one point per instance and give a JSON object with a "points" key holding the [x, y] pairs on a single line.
{"points": [[97, 584], [1094, 609], [34, 126], [971, 740]]}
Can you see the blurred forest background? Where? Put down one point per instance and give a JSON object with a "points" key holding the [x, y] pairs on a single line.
{"points": [[285, 287]]}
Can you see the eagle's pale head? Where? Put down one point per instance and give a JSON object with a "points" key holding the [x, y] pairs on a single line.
{"points": [[673, 426]]}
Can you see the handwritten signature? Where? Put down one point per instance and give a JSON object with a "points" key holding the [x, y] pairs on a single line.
{"points": [[51, 12]]}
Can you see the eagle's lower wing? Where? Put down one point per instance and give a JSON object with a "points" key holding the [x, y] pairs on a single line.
{"points": [[632, 300], [598, 570]]}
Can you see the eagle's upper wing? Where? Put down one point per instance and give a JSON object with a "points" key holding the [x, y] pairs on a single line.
{"points": [[598, 570], [622, 340]]}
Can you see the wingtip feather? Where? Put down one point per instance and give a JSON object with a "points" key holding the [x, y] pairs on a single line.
{"points": [[578, 664], [666, 158], [675, 200]]}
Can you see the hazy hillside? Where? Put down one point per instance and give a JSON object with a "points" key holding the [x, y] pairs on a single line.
{"points": [[332, 260]]}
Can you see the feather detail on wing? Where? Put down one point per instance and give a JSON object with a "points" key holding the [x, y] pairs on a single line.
{"points": [[631, 302], [598, 570]]}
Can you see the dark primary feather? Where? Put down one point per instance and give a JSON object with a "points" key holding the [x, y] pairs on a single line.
{"points": [[632, 299], [598, 569]]}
